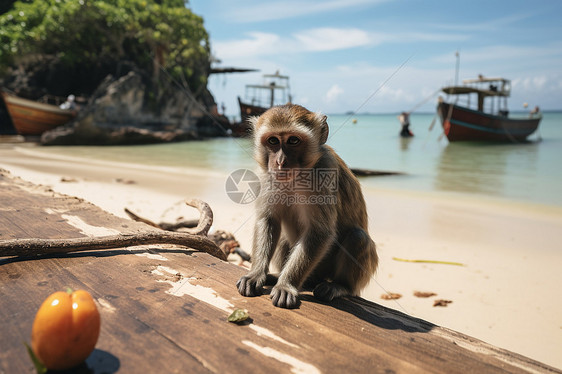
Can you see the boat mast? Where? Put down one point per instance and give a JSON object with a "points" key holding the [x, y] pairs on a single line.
{"points": [[458, 56]]}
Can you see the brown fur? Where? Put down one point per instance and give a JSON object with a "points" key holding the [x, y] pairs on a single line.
{"points": [[323, 245]]}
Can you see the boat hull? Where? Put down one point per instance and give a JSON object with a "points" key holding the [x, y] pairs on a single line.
{"points": [[463, 124], [33, 118], [247, 111]]}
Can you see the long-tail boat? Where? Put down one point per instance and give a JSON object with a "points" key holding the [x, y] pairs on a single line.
{"points": [[477, 111], [273, 90], [34, 118]]}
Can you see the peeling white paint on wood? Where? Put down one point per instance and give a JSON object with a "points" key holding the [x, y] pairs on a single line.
{"points": [[182, 286], [54, 211], [106, 305], [86, 228], [152, 256], [261, 331], [297, 366]]}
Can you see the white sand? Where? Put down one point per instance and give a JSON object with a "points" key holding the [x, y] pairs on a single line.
{"points": [[508, 293]]}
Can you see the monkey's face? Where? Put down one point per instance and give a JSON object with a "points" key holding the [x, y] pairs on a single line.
{"points": [[286, 152], [288, 138]]}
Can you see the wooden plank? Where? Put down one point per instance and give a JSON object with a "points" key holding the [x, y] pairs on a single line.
{"points": [[140, 316], [123, 336], [165, 310], [30, 211]]}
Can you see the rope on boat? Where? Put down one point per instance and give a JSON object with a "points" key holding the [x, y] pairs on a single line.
{"points": [[423, 101], [509, 136], [189, 94], [447, 119], [539, 136], [432, 124], [513, 140]]}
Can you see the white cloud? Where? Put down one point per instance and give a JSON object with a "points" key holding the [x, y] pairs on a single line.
{"points": [[311, 40], [329, 39], [530, 83], [409, 37], [316, 40], [258, 43], [398, 95], [275, 10], [370, 88], [375, 40], [333, 93], [487, 25], [511, 53]]}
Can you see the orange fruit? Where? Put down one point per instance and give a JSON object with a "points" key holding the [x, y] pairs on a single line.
{"points": [[65, 330]]}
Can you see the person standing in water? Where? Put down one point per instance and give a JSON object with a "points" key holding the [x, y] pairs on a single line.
{"points": [[404, 119]]}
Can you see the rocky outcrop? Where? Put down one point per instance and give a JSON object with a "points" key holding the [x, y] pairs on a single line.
{"points": [[123, 111], [88, 134]]}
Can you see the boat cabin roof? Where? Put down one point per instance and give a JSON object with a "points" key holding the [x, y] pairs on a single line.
{"points": [[463, 90], [276, 75], [272, 81], [273, 90], [482, 86], [485, 80], [268, 86]]}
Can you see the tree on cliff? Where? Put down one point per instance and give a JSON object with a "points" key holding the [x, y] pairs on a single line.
{"points": [[88, 39]]}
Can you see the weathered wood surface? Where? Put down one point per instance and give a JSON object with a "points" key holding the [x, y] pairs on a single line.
{"points": [[165, 310]]}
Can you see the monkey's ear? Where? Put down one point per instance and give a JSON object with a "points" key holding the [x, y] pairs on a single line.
{"points": [[323, 125]]}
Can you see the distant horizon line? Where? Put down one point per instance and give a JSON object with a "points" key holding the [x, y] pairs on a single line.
{"points": [[424, 112], [414, 113]]}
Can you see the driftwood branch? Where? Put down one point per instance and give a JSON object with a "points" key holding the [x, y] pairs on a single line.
{"points": [[377, 173], [29, 247], [224, 240], [206, 219], [202, 225], [196, 238], [137, 218], [163, 225], [228, 243]]}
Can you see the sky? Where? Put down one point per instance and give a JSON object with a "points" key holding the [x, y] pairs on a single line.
{"points": [[385, 56]]}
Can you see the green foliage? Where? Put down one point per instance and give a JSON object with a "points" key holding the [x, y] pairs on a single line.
{"points": [[149, 33]]}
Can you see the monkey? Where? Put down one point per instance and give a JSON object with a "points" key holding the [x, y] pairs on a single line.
{"points": [[311, 218]]}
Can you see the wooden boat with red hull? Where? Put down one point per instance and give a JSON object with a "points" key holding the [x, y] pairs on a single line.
{"points": [[462, 124], [247, 110], [274, 90], [488, 118], [34, 118]]}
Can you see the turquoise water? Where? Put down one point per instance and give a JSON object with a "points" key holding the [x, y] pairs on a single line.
{"points": [[528, 172]]}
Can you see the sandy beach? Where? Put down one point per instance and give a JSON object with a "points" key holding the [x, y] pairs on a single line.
{"points": [[502, 259]]}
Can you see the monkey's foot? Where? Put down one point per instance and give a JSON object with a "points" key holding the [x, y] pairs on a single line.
{"points": [[328, 291], [285, 296], [250, 285]]}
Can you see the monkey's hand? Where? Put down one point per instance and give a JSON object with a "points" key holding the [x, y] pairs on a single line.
{"points": [[285, 296], [251, 284]]}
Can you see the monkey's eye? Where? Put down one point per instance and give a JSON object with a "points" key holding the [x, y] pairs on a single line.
{"points": [[293, 140], [273, 140]]}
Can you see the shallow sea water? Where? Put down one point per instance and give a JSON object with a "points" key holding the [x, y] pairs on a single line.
{"points": [[528, 172]]}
